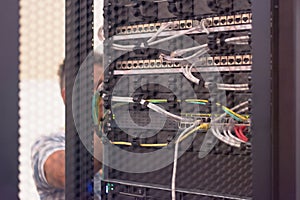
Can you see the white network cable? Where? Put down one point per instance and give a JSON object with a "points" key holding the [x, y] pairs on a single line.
{"points": [[153, 107], [188, 74], [243, 110], [228, 132], [227, 140], [161, 29], [242, 40], [233, 109], [230, 87], [122, 99], [233, 89], [151, 41], [202, 50], [181, 33], [180, 52], [160, 110], [173, 184]]}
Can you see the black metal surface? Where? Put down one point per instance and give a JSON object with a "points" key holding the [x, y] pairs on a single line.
{"points": [[261, 77], [9, 78], [287, 90], [79, 37], [297, 23], [132, 191]]}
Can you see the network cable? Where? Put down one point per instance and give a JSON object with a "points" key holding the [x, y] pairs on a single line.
{"points": [[152, 107], [152, 42], [173, 184]]}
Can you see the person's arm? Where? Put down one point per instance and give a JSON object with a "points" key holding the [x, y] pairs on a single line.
{"points": [[98, 153], [42, 154], [54, 167]]}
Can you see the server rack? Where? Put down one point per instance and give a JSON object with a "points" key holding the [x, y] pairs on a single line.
{"points": [[270, 49], [138, 57]]}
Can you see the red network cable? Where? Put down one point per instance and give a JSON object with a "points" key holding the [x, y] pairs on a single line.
{"points": [[239, 133]]}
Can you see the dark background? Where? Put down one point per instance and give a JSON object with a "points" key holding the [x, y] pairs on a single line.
{"points": [[9, 61]]}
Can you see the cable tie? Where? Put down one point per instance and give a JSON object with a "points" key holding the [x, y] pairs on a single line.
{"points": [[137, 98], [135, 142]]}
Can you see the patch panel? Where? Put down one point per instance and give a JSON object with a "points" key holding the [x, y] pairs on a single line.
{"points": [[242, 68], [235, 60], [170, 32], [229, 20], [216, 21]]}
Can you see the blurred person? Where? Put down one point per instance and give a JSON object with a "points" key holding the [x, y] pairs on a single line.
{"points": [[48, 152]]}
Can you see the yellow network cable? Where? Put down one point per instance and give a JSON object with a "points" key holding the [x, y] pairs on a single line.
{"points": [[142, 145], [204, 126], [235, 114], [157, 100], [122, 143], [197, 100], [154, 145], [229, 111]]}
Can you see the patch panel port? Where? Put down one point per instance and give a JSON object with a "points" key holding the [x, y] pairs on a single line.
{"points": [[152, 27], [158, 63], [129, 65], [119, 65], [224, 60], [123, 30], [129, 29], [230, 20], [223, 20], [175, 25], [141, 64], [238, 19], [202, 61], [119, 30], [176, 64], [146, 63], [231, 60], [246, 59], [238, 60], [170, 65], [164, 64], [209, 21], [124, 65], [146, 28], [245, 18], [216, 21], [157, 26], [189, 23], [134, 28], [210, 61], [135, 64], [182, 24], [152, 63], [217, 60], [140, 28]]}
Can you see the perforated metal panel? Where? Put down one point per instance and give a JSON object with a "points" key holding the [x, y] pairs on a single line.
{"points": [[79, 43]]}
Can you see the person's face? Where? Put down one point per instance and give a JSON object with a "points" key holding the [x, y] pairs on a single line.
{"points": [[98, 77]]}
